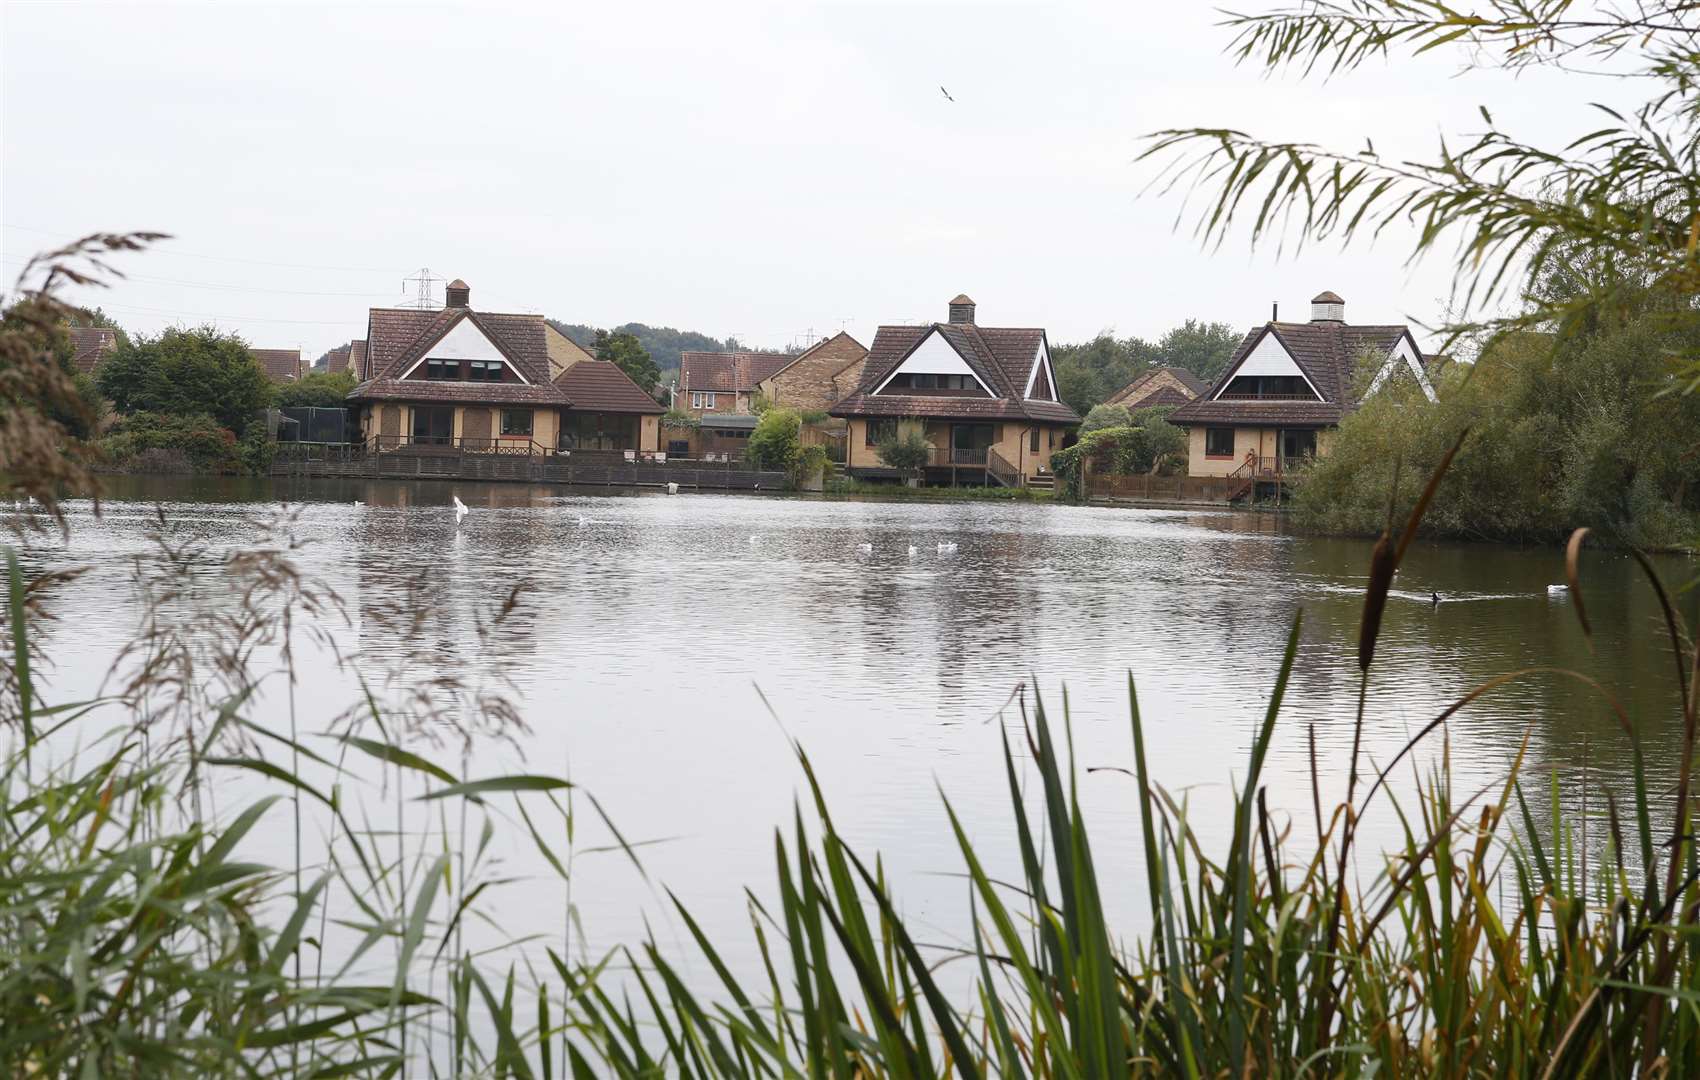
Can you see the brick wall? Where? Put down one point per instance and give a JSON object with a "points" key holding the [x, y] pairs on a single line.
{"points": [[808, 383]]}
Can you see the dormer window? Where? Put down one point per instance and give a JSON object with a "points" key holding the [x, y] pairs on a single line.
{"points": [[442, 369], [485, 371], [924, 380]]}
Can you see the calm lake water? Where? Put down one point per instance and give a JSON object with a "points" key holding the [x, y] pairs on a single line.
{"points": [[666, 649]]}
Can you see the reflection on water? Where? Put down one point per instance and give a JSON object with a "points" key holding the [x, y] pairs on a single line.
{"points": [[666, 647]]}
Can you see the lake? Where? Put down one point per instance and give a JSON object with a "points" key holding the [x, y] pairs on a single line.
{"points": [[664, 650]]}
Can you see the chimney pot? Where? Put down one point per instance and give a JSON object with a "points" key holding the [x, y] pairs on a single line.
{"points": [[458, 294], [962, 310]]}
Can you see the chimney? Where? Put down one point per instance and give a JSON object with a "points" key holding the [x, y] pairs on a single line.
{"points": [[962, 309], [459, 294], [1328, 307]]}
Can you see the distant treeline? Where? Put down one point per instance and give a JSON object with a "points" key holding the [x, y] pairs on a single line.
{"points": [[662, 343]]}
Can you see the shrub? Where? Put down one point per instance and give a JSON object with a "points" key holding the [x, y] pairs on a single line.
{"points": [[775, 444], [319, 389], [187, 373], [678, 418], [1106, 416], [198, 439], [908, 452]]}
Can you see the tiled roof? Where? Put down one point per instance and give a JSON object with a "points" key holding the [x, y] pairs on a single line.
{"points": [[1000, 357], [357, 358], [600, 386], [89, 344], [397, 337], [1327, 353], [1163, 395], [1137, 391], [728, 371], [460, 393], [281, 365], [338, 359], [791, 361]]}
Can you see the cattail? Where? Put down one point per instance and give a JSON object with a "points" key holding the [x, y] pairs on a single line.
{"points": [[1382, 563]]}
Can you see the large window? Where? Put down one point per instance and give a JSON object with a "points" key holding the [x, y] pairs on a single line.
{"points": [[600, 431], [923, 380], [442, 369], [486, 370], [881, 430], [1219, 442], [516, 422]]}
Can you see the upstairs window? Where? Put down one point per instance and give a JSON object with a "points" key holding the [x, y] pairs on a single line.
{"points": [[926, 380], [442, 369], [485, 371], [708, 401]]}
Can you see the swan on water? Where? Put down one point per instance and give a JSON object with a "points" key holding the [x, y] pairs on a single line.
{"points": [[947, 547], [912, 551], [1557, 590], [460, 510], [866, 549]]}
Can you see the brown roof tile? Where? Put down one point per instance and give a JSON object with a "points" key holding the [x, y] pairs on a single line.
{"points": [[1000, 357], [468, 393], [338, 359], [1327, 353], [396, 337], [600, 386], [280, 365], [357, 358], [89, 344], [728, 371]]}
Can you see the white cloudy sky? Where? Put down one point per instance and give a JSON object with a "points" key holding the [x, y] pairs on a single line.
{"points": [[757, 169]]}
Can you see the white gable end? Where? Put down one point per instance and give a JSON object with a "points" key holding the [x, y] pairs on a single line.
{"points": [[1270, 357], [934, 356], [1042, 360], [1402, 354], [465, 342]]}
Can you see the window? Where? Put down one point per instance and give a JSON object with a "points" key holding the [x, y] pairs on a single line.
{"points": [[696, 401], [924, 380], [486, 370], [708, 401], [1033, 442], [442, 369], [516, 422], [1219, 442], [1051, 439], [881, 430]]}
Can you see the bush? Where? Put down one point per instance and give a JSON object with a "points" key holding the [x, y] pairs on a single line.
{"points": [[907, 453], [678, 418], [775, 444], [199, 440], [188, 373], [1106, 416], [1154, 446], [319, 389]]}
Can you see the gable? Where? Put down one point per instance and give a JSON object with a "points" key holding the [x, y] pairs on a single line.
{"points": [[1404, 354], [465, 341], [933, 356], [1042, 380], [1268, 357]]}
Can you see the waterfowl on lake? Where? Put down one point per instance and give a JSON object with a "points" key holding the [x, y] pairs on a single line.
{"points": [[1434, 599], [1557, 590], [866, 549], [460, 510]]}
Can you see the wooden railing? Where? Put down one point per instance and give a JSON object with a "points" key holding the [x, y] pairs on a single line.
{"points": [[519, 447], [1002, 471]]}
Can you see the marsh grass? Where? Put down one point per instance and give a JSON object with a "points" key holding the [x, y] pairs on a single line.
{"points": [[139, 935]]}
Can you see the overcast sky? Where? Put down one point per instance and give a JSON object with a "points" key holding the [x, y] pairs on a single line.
{"points": [[736, 168]]}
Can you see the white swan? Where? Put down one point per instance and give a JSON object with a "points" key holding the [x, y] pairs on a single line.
{"points": [[1557, 590], [460, 510], [912, 551], [866, 549], [947, 547]]}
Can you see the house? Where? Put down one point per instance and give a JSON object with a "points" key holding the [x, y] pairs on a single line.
{"points": [[609, 411], [474, 379], [90, 345], [356, 359], [817, 377], [342, 358], [1286, 388], [280, 365], [984, 397], [564, 352], [724, 382], [1159, 386]]}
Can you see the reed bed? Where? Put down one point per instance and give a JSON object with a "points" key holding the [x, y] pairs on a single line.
{"points": [[137, 937]]}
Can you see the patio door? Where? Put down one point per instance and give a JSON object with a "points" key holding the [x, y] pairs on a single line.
{"points": [[969, 443], [433, 425], [1298, 445]]}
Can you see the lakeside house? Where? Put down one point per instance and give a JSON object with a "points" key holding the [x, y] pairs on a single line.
{"points": [[817, 377], [724, 382], [1287, 386], [280, 365], [90, 345], [457, 377], [984, 397], [1159, 386]]}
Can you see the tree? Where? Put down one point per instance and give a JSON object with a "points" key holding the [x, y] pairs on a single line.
{"points": [[188, 372], [1200, 347], [1623, 190], [775, 443], [628, 354], [1089, 373], [322, 389]]}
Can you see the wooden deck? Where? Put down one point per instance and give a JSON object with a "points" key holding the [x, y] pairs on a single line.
{"points": [[582, 468]]}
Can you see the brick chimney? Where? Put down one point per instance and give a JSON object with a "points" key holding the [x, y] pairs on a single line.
{"points": [[1328, 307], [962, 309], [459, 294]]}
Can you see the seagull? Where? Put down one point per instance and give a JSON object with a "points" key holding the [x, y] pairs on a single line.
{"points": [[754, 540], [946, 94], [947, 547], [911, 551], [357, 502], [583, 521], [1557, 590], [866, 549], [460, 510]]}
